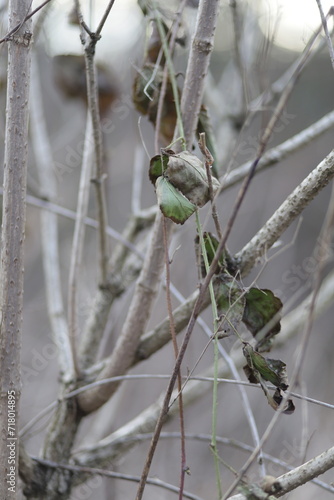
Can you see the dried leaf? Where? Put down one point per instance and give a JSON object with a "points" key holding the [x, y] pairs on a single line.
{"points": [[260, 369], [158, 165], [272, 370], [289, 406], [262, 310], [172, 203], [187, 173]]}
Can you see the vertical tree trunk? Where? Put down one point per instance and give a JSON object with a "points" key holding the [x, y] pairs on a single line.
{"points": [[13, 227]]}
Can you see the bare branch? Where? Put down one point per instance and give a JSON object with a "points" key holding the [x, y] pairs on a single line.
{"points": [[113, 446], [125, 349], [124, 352], [93, 106], [78, 241], [286, 214], [115, 475], [300, 475], [327, 34], [325, 240], [198, 64], [120, 274], [13, 233], [49, 228], [16, 28], [279, 153]]}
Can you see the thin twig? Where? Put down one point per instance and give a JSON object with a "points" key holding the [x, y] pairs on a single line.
{"points": [[300, 475], [145, 218], [78, 241], [208, 164], [237, 48], [215, 359], [278, 86], [324, 24], [232, 443], [234, 372], [176, 351], [167, 68], [93, 106], [279, 153], [151, 376], [99, 177], [104, 18], [197, 68], [244, 188], [326, 236], [169, 72], [286, 214], [112, 474], [12, 32], [125, 350], [49, 228]]}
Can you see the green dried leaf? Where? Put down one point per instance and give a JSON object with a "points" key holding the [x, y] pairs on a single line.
{"points": [[262, 310], [260, 369], [158, 165], [172, 203], [230, 302], [272, 370], [289, 407], [187, 173]]}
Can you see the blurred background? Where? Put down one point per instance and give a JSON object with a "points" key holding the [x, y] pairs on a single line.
{"points": [[273, 35]]}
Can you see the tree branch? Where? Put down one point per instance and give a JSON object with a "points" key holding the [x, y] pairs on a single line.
{"points": [[299, 476], [146, 288], [78, 242], [116, 444], [49, 228], [279, 153], [286, 214], [124, 352], [13, 233]]}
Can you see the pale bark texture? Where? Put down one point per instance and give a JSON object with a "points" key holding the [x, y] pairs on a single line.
{"points": [[12, 242]]}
